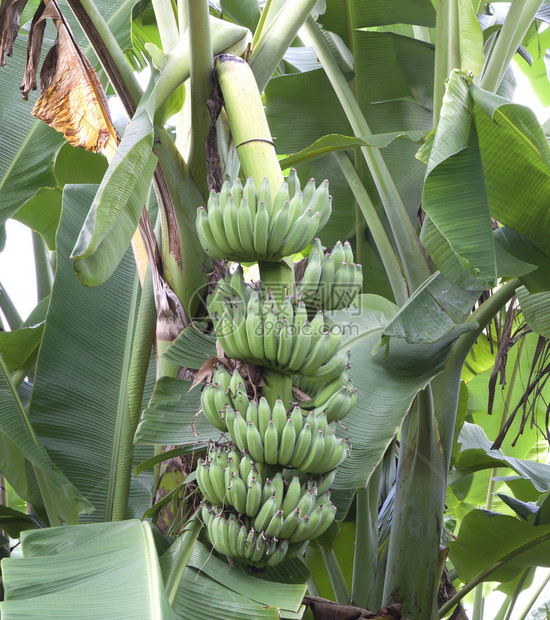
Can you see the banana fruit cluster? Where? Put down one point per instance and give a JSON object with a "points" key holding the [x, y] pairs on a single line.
{"points": [[330, 282], [266, 491], [248, 224], [275, 515], [256, 329]]}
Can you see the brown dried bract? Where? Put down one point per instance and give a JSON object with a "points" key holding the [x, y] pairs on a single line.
{"points": [[72, 99]]}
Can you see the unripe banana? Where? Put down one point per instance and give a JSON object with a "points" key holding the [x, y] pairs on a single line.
{"points": [[338, 454], [326, 482], [326, 282], [271, 444], [301, 345], [278, 555], [240, 428], [298, 419], [245, 229], [275, 525], [255, 444], [271, 336], [296, 208], [225, 192], [311, 462], [237, 494], [265, 514], [246, 467], [206, 236], [292, 496], [252, 413], [264, 194], [261, 230], [328, 513], [218, 481], [311, 277], [299, 236], [250, 543], [261, 550], [231, 224], [290, 524], [255, 330], [243, 533], [249, 194], [334, 368], [208, 404], [293, 182], [317, 356], [287, 442], [337, 256], [278, 485], [281, 197], [278, 415], [240, 334], [300, 533], [204, 482], [278, 228], [215, 217], [302, 445], [309, 191], [233, 527], [264, 415], [230, 469], [253, 498], [286, 341], [225, 333]]}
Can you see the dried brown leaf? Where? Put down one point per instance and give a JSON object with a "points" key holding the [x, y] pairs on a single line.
{"points": [[72, 99], [10, 22]]}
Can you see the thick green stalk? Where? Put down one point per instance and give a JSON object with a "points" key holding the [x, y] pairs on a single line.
{"points": [[453, 30], [441, 68], [42, 267], [365, 558], [390, 260], [9, 310], [166, 22], [520, 16], [412, 577], [337, 580], [201, 65], [277, 37], [523, 615], [447, 384], [249, 127], [486, 573], [258, 158], [408, 245]]}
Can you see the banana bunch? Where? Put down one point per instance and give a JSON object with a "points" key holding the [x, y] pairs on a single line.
{"points": [[232, 538], [333, 281], [280, 337], [246, 224], [335, 398], [309, 444], [282, 508]]}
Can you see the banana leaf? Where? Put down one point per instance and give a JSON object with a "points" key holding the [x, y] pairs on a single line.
{"points": [[100, 570]]}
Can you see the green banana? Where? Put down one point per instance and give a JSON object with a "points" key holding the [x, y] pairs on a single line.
{"points": [[284, 349], [237, 494], [290, 524], [278, 228], [253, 498], [299, 235], [311, 462], [271, 336], [261, 230], [233, 527], [264, 194], [287, 442], [278, 555], [256, 448], [275, 525], [271, 444], [293, 182], [245, 229], [249, 194], [206, 236], [209, 408], [292, 496], [215, 217], [265, 514], [231, 223], [278, 415], [281, 197], [302, 445], [264, 415], [311, 277]]}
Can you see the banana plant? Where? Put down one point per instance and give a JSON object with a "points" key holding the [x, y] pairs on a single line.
{"points": [[197, 380]]}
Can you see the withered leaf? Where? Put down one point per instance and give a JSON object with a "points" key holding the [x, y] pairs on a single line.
{"points": [[72, 99], [10, 22]]}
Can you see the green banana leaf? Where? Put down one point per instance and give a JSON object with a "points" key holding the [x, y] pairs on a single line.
{"points": [[41, 213], [79, 402], [376, 13], [172, 418], [211, 588], [444, 306], [191, 348], [516, 165], [114, 213], [535, 310], [486, 537], [19, 346], [13, 522], [99, 570], [476, 454], [455, 185], [21, 441], [387, 379]]}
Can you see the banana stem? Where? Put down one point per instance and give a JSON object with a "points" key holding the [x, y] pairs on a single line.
{"points": [[277, 385]]}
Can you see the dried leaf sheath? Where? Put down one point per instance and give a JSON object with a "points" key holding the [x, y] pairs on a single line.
{"points": [[10, 21]]}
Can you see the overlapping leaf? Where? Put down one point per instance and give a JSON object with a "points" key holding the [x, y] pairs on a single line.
{"points": [[100, 570]]}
